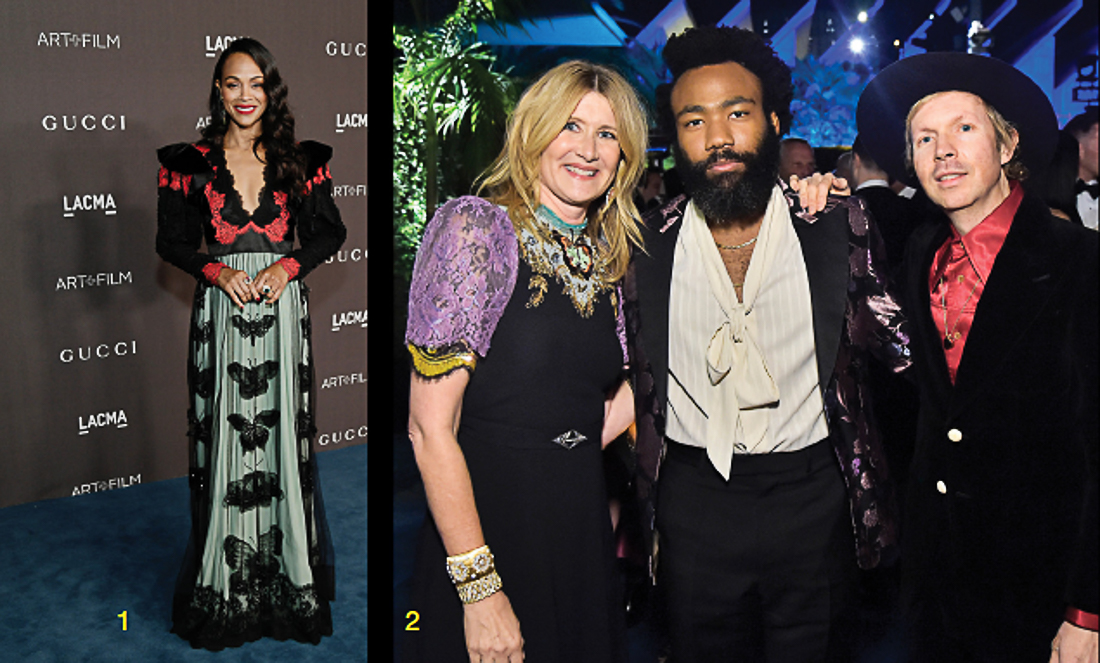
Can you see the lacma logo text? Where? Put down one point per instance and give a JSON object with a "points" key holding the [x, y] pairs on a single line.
{"points": [[102, 420]]}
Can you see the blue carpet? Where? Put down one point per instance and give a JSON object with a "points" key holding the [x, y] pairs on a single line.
{"points": [[409, 508], [71, 565]]}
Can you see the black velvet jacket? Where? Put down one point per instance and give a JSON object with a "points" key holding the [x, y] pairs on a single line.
{"points": [[1001, 524]]}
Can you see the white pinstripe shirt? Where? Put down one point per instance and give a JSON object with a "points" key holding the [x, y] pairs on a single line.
{"points": [[784, 335]]}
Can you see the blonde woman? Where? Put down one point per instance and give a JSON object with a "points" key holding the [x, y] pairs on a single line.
{"points": [[517, 342]]}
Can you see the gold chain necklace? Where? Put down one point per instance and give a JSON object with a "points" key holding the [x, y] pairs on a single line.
{"points": [[734, 248], [950, 336]]}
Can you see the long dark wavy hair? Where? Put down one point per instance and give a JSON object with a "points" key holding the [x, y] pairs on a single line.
{"points": [[285, 162]]}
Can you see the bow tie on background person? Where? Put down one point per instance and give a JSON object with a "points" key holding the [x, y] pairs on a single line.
{"points": [[1092, 187]]}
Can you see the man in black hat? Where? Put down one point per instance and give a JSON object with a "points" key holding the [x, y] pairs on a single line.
{"points": [[750, 321], [999, 550]]}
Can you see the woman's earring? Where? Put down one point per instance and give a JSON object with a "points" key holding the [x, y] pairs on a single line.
{"points": [[609, 196]]}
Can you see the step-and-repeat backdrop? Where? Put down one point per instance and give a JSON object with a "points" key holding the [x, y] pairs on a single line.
{"points": [[93, 325]]}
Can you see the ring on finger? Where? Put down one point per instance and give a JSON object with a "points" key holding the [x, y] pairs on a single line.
{"points": [[266, 290]]}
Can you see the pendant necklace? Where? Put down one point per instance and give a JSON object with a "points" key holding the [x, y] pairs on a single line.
{"points": [[575, 247], [950, 336]]}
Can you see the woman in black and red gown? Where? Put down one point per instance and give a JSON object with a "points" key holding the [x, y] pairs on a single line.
{"points": [[259, 559]]}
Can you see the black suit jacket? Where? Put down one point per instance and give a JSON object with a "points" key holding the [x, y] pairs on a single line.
{"points": [[852, 315], [1002, 524], [896, 218]]}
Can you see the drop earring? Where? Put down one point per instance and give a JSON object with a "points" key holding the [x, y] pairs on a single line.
{"points": [[608, 197]]}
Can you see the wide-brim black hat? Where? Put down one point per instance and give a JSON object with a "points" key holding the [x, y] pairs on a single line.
{"points": [[885, 103]]}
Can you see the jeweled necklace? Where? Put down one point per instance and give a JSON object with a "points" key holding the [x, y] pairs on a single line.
{"points": [[575, 247], [555, 221]]}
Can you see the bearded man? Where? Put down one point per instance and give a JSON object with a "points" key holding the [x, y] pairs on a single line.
{"points": [[750, 320]]}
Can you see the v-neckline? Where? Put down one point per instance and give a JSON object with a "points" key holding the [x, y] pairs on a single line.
{"points": [[237, 193]]}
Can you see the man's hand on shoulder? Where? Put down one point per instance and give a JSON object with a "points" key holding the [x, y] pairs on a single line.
{"points": [[813, 192]]}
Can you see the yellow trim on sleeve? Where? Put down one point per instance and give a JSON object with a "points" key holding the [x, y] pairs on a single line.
{"points": [[432, 363]]}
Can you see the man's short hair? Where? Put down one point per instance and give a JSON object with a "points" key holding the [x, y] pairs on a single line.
{"points": [[790, 140], [1004, 132], [707, 45], [859, 148], [1082, 124]]}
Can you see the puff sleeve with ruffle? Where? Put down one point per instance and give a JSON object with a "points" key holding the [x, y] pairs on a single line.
{"points": [[180, 210], [321, 232], [462, 280]]}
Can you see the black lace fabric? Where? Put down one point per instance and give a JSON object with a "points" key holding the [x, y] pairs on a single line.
{"points": [[251, 431], [252, 475], [264, 606]]}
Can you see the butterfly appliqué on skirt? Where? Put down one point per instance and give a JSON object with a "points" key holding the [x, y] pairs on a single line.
{"points": [[304, 426], [202, 333], [254, 433], [202, 430], [253, 565], [253, 328], [253, 381], [305, 377], [202, 381], [253, 490]]}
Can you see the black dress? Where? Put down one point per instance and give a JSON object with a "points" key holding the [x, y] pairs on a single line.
{"points": [[543, 507]]}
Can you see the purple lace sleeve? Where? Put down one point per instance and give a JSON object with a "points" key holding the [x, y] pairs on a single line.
{"points": [[463, 277]]}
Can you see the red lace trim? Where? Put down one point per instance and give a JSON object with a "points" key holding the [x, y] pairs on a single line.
{"points": [[211, 272], [173, 181], [227, 233], [318, 179], [277, 229], [290, 265]]}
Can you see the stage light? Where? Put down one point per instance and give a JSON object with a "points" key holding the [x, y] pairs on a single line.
{"points": [[856, 45], [897, 42], [979, 39], [862, 17]]}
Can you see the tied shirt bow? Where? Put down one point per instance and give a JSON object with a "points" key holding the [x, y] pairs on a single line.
{"points": [[734, 360]]}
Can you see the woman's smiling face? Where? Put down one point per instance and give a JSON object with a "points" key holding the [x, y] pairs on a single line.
{"points": [[242, 90], [579, 165]]}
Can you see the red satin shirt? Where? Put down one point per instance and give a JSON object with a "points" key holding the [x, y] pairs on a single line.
{"points": [[960, 270]]}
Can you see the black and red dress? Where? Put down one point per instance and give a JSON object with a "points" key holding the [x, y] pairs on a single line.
{"points": [[259, 560]]}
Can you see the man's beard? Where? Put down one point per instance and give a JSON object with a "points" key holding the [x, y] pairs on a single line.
{"points": [[729, 196]]}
